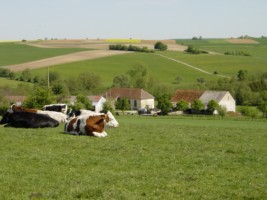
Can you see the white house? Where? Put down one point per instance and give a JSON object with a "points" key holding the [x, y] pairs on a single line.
{"points": [[97, 102], [223, 98], [138, 98]]}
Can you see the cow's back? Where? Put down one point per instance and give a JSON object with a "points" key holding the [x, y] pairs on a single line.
{"points": [[30, 120]]}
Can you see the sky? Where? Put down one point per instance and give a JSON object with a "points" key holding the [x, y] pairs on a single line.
{"points": [[138, 19]]}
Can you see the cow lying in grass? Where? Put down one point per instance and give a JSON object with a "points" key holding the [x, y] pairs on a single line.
{"points": [[93, 124], [28, 120], [60, 117], [59, 107]]}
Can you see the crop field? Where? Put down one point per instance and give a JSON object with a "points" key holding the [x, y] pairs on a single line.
{"points": [[144, 158], [123, 40]]}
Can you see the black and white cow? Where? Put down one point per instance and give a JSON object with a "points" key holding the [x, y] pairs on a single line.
{"points": [[28, 120], [57, 107]]}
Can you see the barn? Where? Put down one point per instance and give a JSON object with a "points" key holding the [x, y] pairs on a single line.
{"points": [[223, 98]]}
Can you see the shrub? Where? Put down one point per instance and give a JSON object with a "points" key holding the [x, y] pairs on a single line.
{"points": [[182, 105], [160, 46]]}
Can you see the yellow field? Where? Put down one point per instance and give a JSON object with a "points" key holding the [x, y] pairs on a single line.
{"points": [[123, 41], [9, 41]]}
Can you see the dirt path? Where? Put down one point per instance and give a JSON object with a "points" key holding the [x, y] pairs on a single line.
{"points": [[191, 66], [79, 56]]}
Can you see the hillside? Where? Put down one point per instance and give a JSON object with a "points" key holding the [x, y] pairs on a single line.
{"points": [[164, 67]]}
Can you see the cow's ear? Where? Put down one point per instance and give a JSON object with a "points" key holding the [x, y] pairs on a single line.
{"points": [[105, 117]]}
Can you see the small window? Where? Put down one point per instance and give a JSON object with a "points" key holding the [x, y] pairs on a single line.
{"points": [[135, 103]]}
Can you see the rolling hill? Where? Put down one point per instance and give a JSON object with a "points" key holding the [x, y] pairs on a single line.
{"points": [[163, 66]]}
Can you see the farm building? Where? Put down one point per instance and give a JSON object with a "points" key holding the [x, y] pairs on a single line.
{"points": [[138, 98], [223, 98], [97, 102], [18, 100]]}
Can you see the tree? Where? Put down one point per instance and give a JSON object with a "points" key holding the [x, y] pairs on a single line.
{"points": [[197, 105], [108, 106], [178, 79], [26, 75], [212, 106], [88, 81], [221, 111], [121, 81], [38, 98], [164, 104], [182, 105], [160, 46], [138, 75], [85, 102], [242, 75], [263, 108], [122, 104]]}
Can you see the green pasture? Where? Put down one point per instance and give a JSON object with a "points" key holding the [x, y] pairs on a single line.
{"points": [[16, 53], [4, 82], [144, 158], [161, 69], [227, 65]]}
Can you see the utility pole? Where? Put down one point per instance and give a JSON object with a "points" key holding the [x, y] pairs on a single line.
{"points": [[48, 81]]}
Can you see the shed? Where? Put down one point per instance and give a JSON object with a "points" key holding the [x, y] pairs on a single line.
{"points": [[223, 98]]}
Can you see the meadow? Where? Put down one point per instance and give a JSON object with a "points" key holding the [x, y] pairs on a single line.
{"points": [[15, 53], [144, 158]]}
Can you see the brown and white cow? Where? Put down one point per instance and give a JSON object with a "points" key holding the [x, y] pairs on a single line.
{"points": [[91, 125]]}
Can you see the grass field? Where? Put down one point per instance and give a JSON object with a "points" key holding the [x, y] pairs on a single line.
{"points": [[144, 158], [16, 53]]}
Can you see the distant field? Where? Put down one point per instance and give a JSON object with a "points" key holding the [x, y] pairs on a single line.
{"points": [[161, 69], [15, 53], [123, 40], [4, 82], [144, 158]]}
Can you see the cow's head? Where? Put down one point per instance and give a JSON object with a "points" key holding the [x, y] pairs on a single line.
{"points": [[110, 120], [5, 118]]}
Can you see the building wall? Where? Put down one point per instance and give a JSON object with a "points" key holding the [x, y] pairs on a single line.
{"points": [[228, 102], [139, 104], [99, 105]]}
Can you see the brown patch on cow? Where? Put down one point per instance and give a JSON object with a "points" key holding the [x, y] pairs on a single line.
{"points": [[78, 126], [105, 116], [20, 109], [94, 124], [70, 127]]}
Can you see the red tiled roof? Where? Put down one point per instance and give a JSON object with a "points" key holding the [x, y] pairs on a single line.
{"points": [[186, 95], [130, 93], [15, 99]]}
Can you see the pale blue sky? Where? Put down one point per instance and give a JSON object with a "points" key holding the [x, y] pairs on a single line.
{"points": [[141, 19]]}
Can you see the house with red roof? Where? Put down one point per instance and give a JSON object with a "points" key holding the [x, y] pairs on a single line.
{"points": [[223, 98]]}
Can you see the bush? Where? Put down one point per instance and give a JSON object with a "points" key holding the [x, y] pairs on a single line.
{"points": [[160, 46], [193, 50], [182, 105], [120, 47]]}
